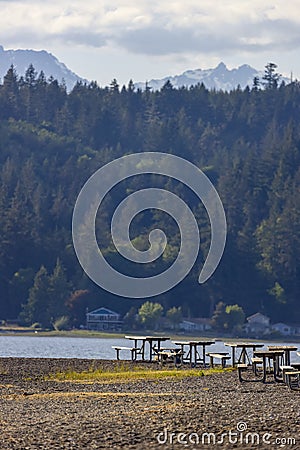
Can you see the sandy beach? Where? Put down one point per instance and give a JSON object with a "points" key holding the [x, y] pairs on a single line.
{"points": [[214, 411]]}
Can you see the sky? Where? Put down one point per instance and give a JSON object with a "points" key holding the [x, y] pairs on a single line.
{"points": [[141, 39]]}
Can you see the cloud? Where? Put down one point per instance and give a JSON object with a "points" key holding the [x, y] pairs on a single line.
{"points": [[159, 41], [156, 28], [265, 35]]}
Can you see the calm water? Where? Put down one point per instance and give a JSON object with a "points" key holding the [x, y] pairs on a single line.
{"points": [[90, 348]]}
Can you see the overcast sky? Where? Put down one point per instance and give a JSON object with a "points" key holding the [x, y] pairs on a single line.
{"points": [[141, 39]]}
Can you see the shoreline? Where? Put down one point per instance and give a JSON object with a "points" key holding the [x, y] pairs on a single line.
{"points": [[173, 336], [37, 412]]}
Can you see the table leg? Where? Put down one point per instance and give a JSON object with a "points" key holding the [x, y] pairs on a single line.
{"points": [[189, 355], [143, 350], [264, 368], [151, 344], [233, 356], [276, 369], [244, 354], [287, 358], [203, 355], [134, 352], [193, 354], [197, 356]]}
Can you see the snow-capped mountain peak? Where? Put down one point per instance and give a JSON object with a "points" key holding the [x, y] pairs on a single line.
{"points": [[219, 78]]}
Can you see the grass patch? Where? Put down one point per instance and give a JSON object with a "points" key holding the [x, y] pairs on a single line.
{"points": [[122, 373]]}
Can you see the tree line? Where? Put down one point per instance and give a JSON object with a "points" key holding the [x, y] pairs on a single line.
{"points": [[247, 141]]}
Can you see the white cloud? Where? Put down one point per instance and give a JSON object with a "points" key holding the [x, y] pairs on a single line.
{"points": [[180, 25], [160, 28], [229, 20]]}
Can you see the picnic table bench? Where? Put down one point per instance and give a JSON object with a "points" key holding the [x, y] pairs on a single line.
{"points": [[255, 362], [223, 357], [275, 360], [132, 350], [244, 348], [292, 379], [193, 355], [153, 343], [243, 367], [170, 354], [291, 375], [281, 373], [285, 369]]}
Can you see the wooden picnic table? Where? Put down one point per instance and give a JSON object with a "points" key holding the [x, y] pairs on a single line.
{"points": [[140, 342], [244, 356], [193, 356], [287, 349], [269, 355], [170, 354]]}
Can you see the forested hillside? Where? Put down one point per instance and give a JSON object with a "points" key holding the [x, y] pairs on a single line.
{"points": [[246, 141]]}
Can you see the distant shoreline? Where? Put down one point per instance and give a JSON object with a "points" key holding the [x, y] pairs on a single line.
{"points": [[22, 331]]}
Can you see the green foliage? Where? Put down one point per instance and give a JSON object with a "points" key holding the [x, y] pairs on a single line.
{"points": [[228, 318], [235, 317], [219, 318], [149, 314], [46, 302], [35, 308], [51, 141], [131, 321], [174, 316], [271, 77], [278, 292]]}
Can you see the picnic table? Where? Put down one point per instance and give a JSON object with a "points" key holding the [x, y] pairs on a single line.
{"points": [[287, 349], [193, 355], [268, 356], [244, 348], [153, 343], [170, 354]]}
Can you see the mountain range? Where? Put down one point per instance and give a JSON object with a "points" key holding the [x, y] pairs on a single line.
{"points": [[219, 78], [41, 61]]}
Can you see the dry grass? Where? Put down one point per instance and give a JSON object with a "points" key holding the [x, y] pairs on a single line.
{"points": [[126, 374]]}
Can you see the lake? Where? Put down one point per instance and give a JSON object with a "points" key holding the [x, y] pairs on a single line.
{"points": [[78, 347]]}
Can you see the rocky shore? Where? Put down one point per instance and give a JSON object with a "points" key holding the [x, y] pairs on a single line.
{"points": [[208, 412]]}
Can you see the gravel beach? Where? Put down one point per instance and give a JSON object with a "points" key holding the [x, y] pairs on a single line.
{"points": [[208, 412]]}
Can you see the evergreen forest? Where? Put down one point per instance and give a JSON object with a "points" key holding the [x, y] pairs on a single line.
{"points": [[247, 141]]}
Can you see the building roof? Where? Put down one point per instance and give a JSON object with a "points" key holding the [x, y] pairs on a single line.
{"points": [[198, 320], [291, 325], [103, 311], [257, 315]]}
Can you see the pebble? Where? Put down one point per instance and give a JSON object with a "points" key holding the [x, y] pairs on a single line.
{"points": [[141, 414]]}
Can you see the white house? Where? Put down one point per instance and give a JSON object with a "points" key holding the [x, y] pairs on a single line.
{"points": [[197, 324], [104, 319], [282, 328], [286, 329], [258, 324]]}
